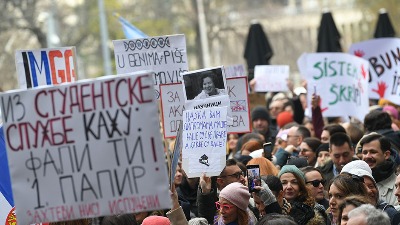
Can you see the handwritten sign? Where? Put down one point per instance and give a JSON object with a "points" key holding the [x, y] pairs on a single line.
{"points": [[204, 141], [79, 151], [341, 80], [271, 78], [383, 55], [235, 71], [47, 66], [165, 55], [239, 103], [172, 107]]}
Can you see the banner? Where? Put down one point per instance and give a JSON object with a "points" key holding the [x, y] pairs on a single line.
{"points": [[79, 150], [383, 55], [49, 66], [271, 78], [204, 141], [239, 103], [172, 107], [341, 80], [165, 56]]}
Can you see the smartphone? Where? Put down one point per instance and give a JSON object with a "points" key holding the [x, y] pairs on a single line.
{"points": [[268, 150], [253, 177]]}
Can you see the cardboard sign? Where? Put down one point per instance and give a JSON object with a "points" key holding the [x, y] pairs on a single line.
{"points": [[341, 80], [79, 150], [165, 55], [204, 141], [235, 71], [384, 66], [47, 66], [173, 105], [271, 78], [239, 103]]}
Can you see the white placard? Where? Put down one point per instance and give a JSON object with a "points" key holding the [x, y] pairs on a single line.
{"points": [[86, 149], [204, 141], [47, 66], [172, 107], [383, 55], [341, 80], [271, 78], [239, 103], [237, 70], [166, 56]]}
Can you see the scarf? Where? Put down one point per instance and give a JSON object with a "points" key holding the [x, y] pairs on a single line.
{"points": [[384, 170]]}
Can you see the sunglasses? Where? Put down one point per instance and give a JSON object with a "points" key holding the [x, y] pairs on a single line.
{"points": [[316, 183], [235, 175], [225, 206]]}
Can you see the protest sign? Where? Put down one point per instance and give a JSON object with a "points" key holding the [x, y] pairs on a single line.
{"points": [[271, 78], [172, 107], [165, 55], [239, 103], [47, 66], [204, 141], [341, 80], [79, 151], [235, 71], [383, 55]]}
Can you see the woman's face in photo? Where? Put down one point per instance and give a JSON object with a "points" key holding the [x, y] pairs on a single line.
{"points": [[208, 85]]}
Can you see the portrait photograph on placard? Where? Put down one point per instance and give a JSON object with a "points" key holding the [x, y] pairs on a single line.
{"points": [[203, 84]]}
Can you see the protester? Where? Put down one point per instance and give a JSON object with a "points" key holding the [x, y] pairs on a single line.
{"points": [[330, 130], [367, 215], [341, 153], [261, 122], [376, 153], [232, 205], [349, 204], [361, 169], [323, 155], [343, 185], [315, 183], [304, 208], [276, 219], [276, 188], [265, 200], [231, 144], [308, 149]]}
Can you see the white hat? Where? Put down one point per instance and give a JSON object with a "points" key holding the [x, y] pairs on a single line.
{"points": [[359, 168]]}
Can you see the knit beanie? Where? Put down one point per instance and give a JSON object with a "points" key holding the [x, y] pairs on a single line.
{"points": [[284, 118], [359, 168], [156, 220], [237, 194], [292, 169], [260, 112], [322, 147], [198, 221]]}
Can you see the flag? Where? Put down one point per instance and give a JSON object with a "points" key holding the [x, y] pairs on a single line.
{"points": [[130, 31], [5, 181]]}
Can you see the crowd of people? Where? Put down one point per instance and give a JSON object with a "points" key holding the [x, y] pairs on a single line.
{"points": [[322, 171]]}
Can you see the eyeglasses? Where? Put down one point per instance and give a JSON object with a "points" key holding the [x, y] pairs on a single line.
{"points": [[305, 150], [225, 206], [316, 183], [235, 175]]}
